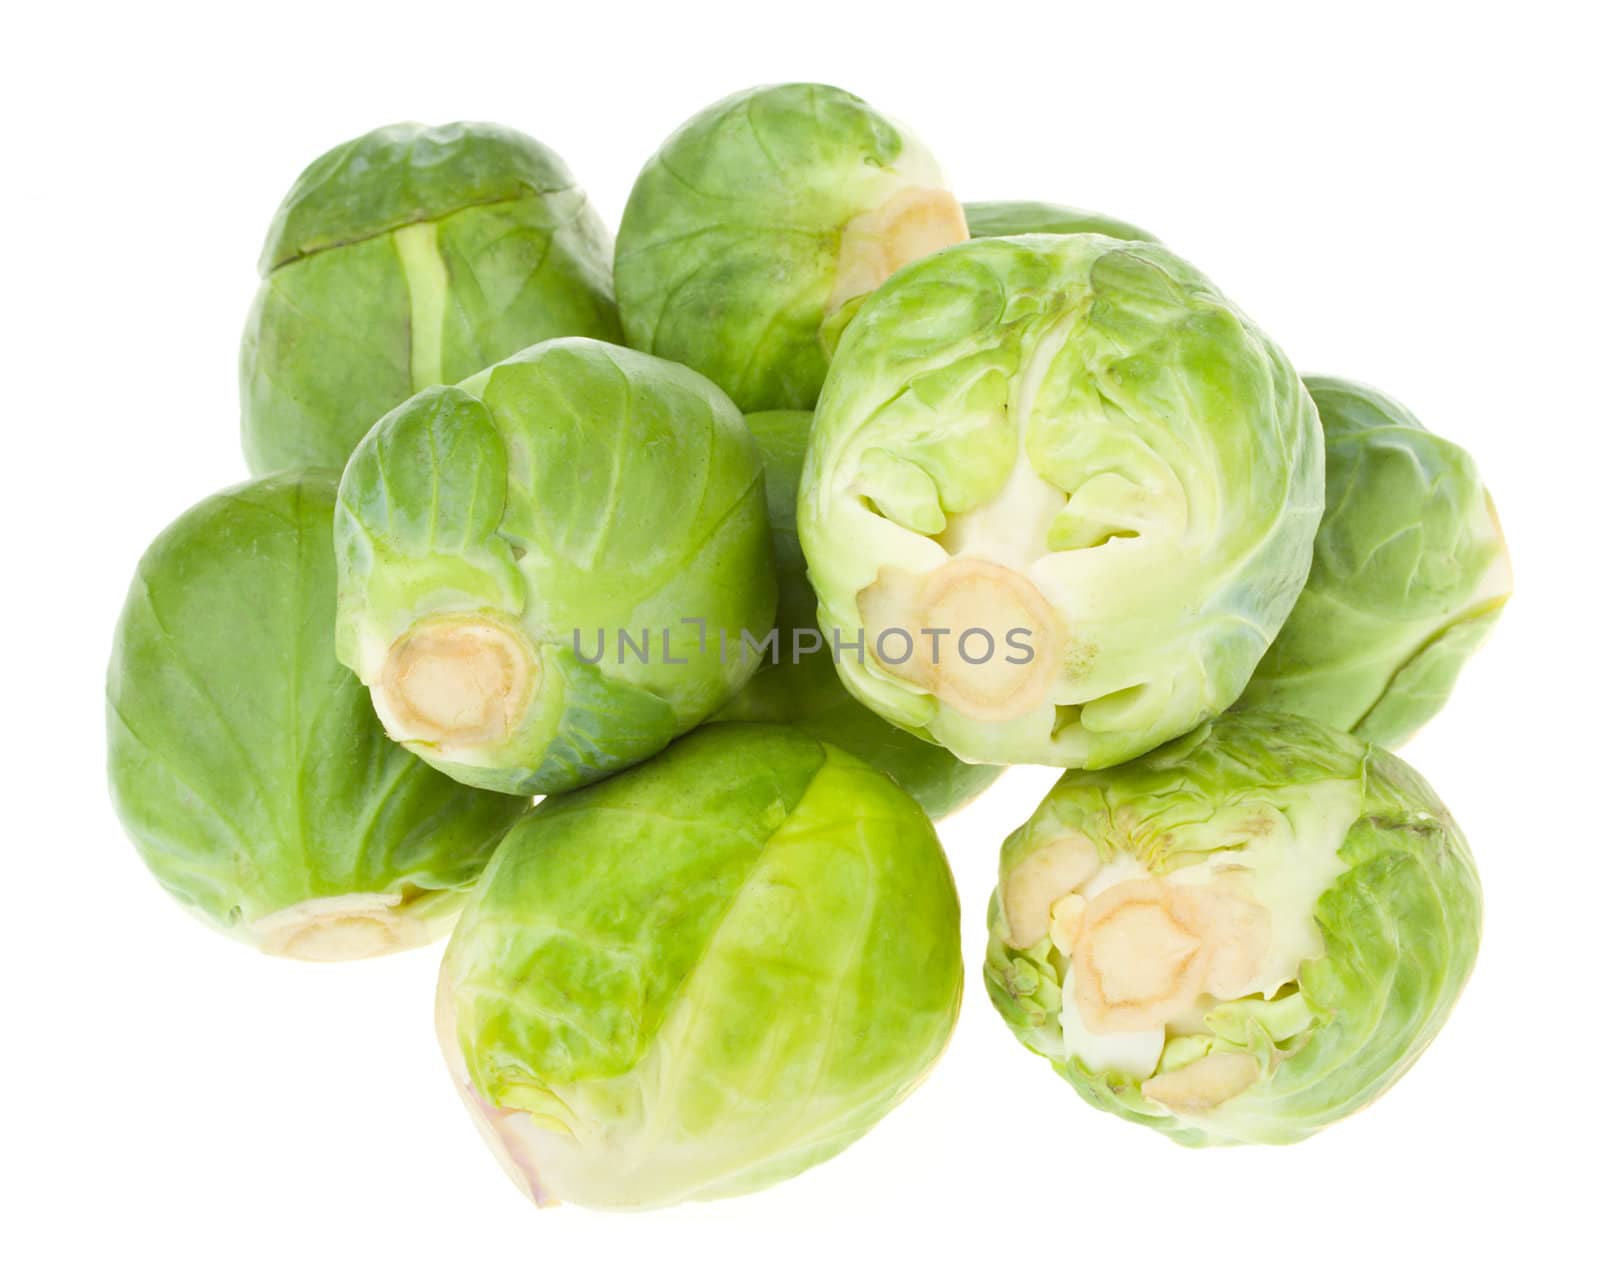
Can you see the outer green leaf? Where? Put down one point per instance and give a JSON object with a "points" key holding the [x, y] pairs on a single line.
{"points": [[1032, 217]]}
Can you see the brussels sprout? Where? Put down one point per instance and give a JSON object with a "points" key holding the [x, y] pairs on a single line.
{"points": [[797, 684], [545, 573], [246, 764], [760, 219], [1065, 491], [407, 257], [1238, 938], [987, 218], [702, 976], [1410, 573]]}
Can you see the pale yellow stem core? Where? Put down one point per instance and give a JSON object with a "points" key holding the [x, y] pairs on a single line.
{"points": [[910, 225], [457, 682], [981, 637], [1066, 921], [1144, 951], [1201, 1086], [1042, 880], [342, 928]]}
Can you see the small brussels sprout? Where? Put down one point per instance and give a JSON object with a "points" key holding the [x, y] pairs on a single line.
{"points": [[246, 764], [1065, 492], [988, 218], [1410, 574], [1239, 938], [763, 217], [407, 257], [702, 976], [797, 685], [545, 573]]}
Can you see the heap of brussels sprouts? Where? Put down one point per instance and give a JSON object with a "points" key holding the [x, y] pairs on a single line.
{"points": [[883, 493]]}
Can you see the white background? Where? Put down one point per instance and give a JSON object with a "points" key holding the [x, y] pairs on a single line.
{"points": [[1399, 194]]}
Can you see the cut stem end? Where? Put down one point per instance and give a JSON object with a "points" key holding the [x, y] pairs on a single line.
{"points": [[910, 225], [457, 683], [342, 928], [981, 637]]}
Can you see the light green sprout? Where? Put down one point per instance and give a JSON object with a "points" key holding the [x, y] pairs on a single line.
{"points": [[761, 223], [702, 976], [407, 257], [797, 684], [545, 574], [1065, 491], [1239, 938], [989, 218], [245, 762], [1410, 574]]}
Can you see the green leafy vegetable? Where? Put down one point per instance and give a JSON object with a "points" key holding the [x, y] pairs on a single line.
{"points": [[1240, 937], [407, 257], [1410, 574], [1065, 491], [764, 217], [547, 573], [702, 976], [246, 764]]}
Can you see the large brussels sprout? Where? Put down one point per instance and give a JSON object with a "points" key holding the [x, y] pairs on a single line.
{"points": [[702, 976], [764, 217], [1066, 493], [988, 218], [1410, 573], [797, 685], [1241, 937], [545, 573], [407, 257], [245, 762]]}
